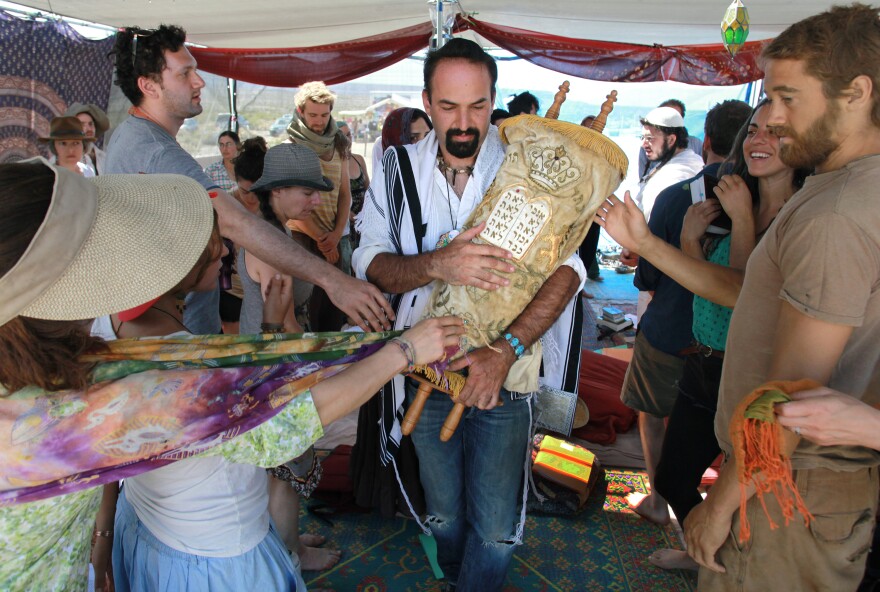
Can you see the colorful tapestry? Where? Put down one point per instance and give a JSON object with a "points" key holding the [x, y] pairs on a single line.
{"points": [[154, 401], [46, 66]]}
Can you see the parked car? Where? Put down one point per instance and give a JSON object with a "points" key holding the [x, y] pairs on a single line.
{"points": [[223, 121], [280, 126]]}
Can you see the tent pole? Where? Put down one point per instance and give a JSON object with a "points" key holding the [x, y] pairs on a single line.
{"points": [[442, 22], [231, 89]]}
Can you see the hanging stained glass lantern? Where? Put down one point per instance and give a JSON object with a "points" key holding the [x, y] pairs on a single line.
{"points": [[735, 27]]}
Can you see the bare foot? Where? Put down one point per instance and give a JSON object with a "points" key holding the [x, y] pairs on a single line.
{"points": [[312, 540], [672, 559], [649, 507], [313, 559]]}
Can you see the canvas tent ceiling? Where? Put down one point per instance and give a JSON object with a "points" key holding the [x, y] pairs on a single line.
{"points": [[294, 23]]}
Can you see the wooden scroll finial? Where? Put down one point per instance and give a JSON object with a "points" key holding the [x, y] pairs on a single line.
{"points": [[553, 111], [599, 123]]}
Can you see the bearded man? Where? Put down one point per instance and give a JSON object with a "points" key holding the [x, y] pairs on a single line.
{"points": [[326, 231], [474, 483], [809, 308]]}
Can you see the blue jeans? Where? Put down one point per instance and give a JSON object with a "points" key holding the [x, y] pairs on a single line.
{"points": [[202, 313], [473, 486]]}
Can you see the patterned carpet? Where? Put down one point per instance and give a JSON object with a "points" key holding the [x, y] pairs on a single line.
{"points": [[605, 548]]}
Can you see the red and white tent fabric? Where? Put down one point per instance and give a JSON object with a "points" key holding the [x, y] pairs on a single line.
{"points": [[284, 43]]}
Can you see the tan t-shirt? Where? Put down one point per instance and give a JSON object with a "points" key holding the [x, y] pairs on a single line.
{"points": [[822, 256]]}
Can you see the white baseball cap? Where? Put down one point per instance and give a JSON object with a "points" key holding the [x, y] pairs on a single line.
{"points": [[664, 117]]}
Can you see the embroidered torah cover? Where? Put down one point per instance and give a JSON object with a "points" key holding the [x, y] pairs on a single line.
{"points": [[554, 177]]}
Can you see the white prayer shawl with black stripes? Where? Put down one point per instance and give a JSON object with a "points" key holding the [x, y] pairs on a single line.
{"points": [[386, 225]]}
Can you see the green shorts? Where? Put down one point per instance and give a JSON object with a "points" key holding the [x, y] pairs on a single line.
{"points": [[651, 381]]}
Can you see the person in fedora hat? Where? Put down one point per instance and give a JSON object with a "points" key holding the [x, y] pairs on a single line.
{"points": [[72, 249], [288, 189], [95, 123], [68, 142]]}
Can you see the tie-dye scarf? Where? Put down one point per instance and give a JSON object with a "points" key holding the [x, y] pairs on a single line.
{"points": [[153, 401]]}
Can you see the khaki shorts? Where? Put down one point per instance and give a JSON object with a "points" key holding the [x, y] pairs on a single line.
{"points": [[651, 381], [829, 554]]}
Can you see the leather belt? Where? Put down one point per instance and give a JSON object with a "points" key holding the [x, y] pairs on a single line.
{"points": [[703, 350]]}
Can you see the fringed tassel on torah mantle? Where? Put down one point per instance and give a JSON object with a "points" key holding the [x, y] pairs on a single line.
{"points": [[762, 448]]}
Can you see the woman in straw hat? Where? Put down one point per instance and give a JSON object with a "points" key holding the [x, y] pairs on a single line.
{"points": [[67, 143], [76, 249]]}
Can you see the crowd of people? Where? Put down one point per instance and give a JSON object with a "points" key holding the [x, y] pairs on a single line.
{"points": [[757, 258]]}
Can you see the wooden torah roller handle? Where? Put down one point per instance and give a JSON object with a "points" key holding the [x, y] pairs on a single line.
{"points": [[411, 419], [451, 423]]}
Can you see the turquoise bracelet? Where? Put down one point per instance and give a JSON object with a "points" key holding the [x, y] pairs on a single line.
{"points": [[518, 348]]}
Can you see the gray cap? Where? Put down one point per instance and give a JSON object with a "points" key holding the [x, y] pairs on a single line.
{"points": [[292, 165]]}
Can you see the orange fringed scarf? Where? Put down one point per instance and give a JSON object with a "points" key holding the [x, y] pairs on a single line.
{"points": [[762, 448]]}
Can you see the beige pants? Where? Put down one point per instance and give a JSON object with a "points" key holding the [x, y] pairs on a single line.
{"points": [[828, 555]]}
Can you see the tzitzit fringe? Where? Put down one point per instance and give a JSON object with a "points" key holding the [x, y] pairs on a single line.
{"points": [[447, 380]]}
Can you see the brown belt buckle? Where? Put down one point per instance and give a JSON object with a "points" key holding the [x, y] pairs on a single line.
{"points": [[705, 350]]}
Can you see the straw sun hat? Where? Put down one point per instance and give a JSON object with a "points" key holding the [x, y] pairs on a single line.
{"points": [[107, 244]]}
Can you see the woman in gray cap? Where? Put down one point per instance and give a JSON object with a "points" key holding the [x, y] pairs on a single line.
{"points": [[95, 124], [289, 189]]}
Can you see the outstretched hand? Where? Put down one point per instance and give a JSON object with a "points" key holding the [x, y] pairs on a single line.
{"points": [[830, 418], [430, 338], [361, 301], [464, 263], [277, 299], [624, 222]]}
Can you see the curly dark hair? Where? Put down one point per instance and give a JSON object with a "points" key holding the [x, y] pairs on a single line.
{"points": [[523, 103], [141, 52], [248, 165]]}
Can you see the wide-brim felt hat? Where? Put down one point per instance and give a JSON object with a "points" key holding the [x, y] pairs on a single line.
{"points": [[107, 244], [102, 122], [66, 128], [292, 165]]}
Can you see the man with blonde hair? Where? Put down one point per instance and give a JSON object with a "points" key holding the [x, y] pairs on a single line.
{"points": [[326, 231]]}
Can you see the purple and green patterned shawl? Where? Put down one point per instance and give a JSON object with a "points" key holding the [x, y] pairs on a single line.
{"points": [[153, 401]]}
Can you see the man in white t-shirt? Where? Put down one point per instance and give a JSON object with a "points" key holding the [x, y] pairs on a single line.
{"points": [[665, 140]]}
